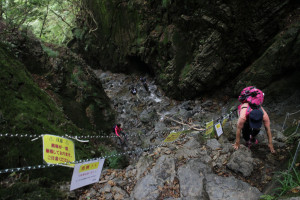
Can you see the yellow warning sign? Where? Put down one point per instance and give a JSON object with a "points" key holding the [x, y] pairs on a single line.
{"points": [[209, 127], [172, 136], [58, 150], [224, 121], [219, 129], [87, 167]]}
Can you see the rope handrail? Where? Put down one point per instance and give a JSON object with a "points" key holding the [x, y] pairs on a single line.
{"points": [[11, 170]]}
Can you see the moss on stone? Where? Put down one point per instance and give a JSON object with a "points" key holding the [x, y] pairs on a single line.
{"points": [[27, 109], [30, 191], [185, 71]]}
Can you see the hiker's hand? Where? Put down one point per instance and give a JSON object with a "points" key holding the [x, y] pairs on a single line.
{"points": [[236, 145], [271, 148]]}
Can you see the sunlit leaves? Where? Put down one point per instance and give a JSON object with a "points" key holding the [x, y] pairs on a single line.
{"points": [[53, 20]]}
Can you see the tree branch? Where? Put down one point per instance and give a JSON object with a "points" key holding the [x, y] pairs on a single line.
{"points": [[60, 18], [44, 20], [190, 127]]}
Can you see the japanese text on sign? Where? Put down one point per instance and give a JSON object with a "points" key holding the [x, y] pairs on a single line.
{"points": [[219, 129], [172, 137], [90, 166], [58, 150], [86, 173], [209, 127]]}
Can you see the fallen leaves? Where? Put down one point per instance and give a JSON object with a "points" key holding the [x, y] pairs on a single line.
{"points": [[295, 190], [111, 183]]}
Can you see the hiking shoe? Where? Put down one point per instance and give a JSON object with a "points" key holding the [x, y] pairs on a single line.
{"points": [[248, 144], [253, 140]]}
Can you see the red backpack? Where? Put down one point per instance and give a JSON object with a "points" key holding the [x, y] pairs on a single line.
{"points": [[255, 98], [252, 95]]}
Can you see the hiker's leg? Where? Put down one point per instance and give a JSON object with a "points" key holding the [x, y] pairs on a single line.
{"points": [[120, 141], [123, 137], [253, 135], [246, 132]]}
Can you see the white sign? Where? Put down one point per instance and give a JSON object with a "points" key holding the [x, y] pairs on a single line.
{"points": [[219, 129], [86, 173]]}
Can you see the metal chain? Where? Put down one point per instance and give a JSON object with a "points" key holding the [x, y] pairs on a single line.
{"points": [[80, 161]]}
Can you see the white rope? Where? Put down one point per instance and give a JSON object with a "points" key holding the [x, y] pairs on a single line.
{"points": [[80, 161], [295, 156], [295, 112], [286, 116]]}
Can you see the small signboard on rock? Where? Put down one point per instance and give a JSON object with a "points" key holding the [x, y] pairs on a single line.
{"points": [[86, 173]]}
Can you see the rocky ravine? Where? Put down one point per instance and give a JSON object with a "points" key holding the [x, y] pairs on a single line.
{"points": [[196, 47], [191, 168]]}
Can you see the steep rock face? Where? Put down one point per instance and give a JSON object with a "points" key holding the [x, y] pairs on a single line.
{"points": [[79, 92], [191, 47], [281, 59], [67, 79], [25, 109]]}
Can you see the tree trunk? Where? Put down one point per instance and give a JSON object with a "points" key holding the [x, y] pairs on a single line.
{"points": [[45, 17], [1, 11]]}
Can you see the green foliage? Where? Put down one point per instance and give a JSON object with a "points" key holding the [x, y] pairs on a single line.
{"points": [[185, 71], [165, 3], [79, 33], [140, 41], [166, 38], [267, 197], [76, 78], [117, 162], [288, 181], [23, 190], [51, 20], [50, 52], [26, 109]]}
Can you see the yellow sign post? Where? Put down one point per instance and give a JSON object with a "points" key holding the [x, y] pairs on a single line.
{"points": [[172, 136], [224, 121], [209, 127], [58, 150], [219, 129]]}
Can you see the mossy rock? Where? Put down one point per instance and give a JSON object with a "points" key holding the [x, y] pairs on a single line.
{"points": [[32, 191], [26, 109]]}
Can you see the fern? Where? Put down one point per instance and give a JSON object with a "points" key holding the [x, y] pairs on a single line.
{"points": [[50, 52], [165, 3]]}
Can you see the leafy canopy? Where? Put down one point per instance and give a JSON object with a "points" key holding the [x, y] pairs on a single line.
{"points": [[50, 20]]}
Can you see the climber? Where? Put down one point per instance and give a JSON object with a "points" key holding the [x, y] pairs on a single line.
{"points": [[143, 80], [251, 117], [133, 90], [119, 132]]}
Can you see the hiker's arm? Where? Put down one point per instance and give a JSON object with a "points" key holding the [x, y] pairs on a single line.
{"points": [[240, 125], [266, 121], [236, 145], [116, 131], [270, 144]]}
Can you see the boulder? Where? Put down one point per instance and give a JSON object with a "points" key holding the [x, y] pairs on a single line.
{"points": [[241, 161], [213, 144], [191, 182], [229, 188], [146, 188], [164, 170]]}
